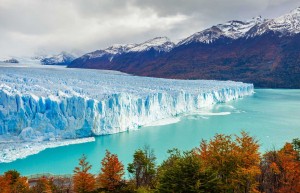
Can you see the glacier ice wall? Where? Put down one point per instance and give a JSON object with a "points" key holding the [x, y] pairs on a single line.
{"points": [[38, 104]]}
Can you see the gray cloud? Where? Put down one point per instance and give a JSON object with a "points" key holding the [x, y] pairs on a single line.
{"points": [[29, 26]]}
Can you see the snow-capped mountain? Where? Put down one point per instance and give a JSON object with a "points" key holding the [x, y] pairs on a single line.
{"points": [[62, 58], [160, 44], [262, 51], [285, 25], [109, 52], [232, 29]]}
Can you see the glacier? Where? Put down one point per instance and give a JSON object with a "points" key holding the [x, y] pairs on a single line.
{"points": [[43, 104]]}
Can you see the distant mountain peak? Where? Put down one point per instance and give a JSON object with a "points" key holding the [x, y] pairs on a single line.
{"points": [[286, 24], [63, 58], [258, 50], [9, 60], [295, 11], [233, 29], [158, 44]]}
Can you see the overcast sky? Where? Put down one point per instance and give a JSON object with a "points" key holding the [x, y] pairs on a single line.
{"points": [[29, 27]]}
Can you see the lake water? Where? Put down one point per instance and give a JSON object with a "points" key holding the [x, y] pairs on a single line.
{"points": [[271, 115]]}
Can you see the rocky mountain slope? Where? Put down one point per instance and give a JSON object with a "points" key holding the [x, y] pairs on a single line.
{"points": [[62, 58], [262, 51]]}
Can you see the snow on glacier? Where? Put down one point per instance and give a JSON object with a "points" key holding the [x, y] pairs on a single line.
{"points": [[50, 104]]}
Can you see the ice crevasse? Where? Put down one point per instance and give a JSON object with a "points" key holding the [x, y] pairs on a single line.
{"points": [[42, 104]]}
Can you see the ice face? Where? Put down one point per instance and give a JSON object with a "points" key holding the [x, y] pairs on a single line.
{"points": [[40, 104]]}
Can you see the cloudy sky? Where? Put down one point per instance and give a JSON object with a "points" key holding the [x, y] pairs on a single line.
{"points": [[29, 27]]}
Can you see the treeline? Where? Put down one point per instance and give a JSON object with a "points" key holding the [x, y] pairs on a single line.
{"points": [[225, 164]]}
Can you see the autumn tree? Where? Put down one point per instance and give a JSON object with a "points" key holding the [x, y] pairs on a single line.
{"points": [[220, 155], [112, 172], [185, 173], [236, 161], [143, 167], [42, 186], [12, 175], [82, 179], [281, 171], [4, 185], [290, 174], [270, 172], [15, 182], [248, 160]]}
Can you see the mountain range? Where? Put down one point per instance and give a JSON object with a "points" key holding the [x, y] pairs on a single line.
{"points": [[63, 58], [265, 52]]}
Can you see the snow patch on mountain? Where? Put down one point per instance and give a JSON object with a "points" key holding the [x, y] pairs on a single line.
{"points": [[160, 44], [62, 58], [110, 51], [286, 24], [232, 29]]}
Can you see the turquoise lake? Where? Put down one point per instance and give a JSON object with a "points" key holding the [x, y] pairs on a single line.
{"points": [[270, 115]]}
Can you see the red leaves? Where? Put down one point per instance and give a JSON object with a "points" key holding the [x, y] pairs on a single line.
{"points": [[111, 173], [281, 171], [11, 182], [82, 179], [290, 175], [236, 161]]}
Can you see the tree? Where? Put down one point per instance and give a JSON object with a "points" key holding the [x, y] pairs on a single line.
{"points": [[112, 172], [296, 145], [16, 183], [12, 175], [248, 163], [270, 172], [290, 174], [220, 155], [280, 171], [143, 167], [4, 185], [42, 186], [20, 186], [185, 173], [82, 179], [236, 161]]}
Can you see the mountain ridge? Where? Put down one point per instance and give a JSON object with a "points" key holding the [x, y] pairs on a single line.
{"points": [[261, 51]]}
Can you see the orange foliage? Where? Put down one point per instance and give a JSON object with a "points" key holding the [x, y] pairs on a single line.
{"points": [[82, 179], [236, 162], [248, 163], [42, 185], [281, 171], [21, 185], [291, 169], [11, 182], [4, 185], [274, 167], [112, 172]]}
